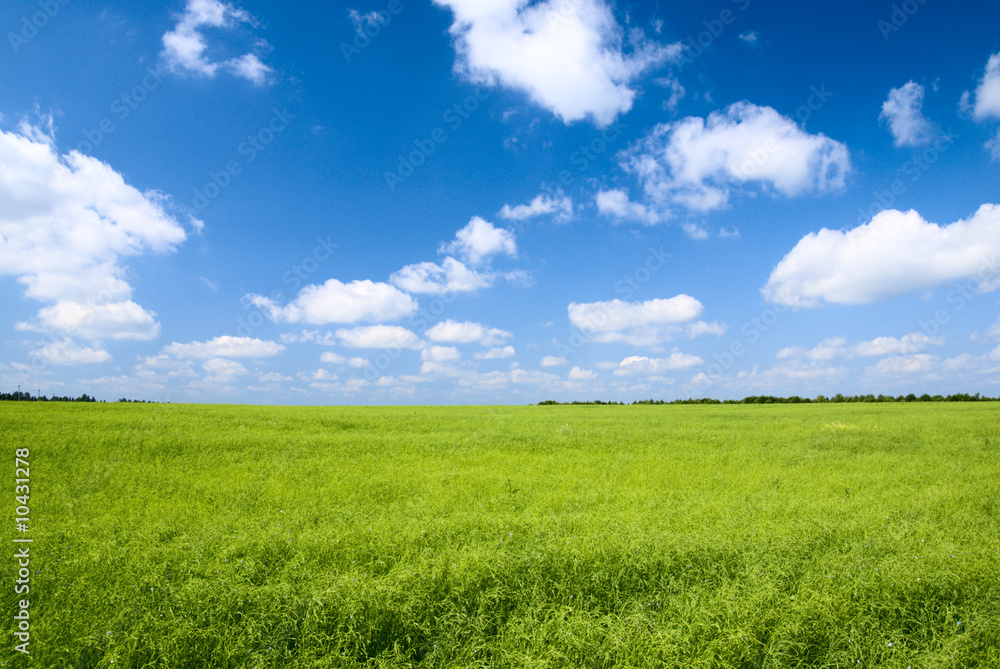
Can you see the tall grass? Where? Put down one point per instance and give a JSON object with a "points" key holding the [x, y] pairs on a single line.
{"points": [[735, 536]]}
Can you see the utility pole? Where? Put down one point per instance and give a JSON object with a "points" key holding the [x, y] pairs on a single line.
{"points": [[19, 392]]}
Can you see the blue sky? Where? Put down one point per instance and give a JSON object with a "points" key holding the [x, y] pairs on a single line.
{"points": [[498, 201]]}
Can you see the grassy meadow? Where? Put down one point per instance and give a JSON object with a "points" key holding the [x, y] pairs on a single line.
{"points": [[835, 535]]}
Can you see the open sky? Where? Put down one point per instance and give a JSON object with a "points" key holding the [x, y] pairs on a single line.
{"points": [[499, 201]]}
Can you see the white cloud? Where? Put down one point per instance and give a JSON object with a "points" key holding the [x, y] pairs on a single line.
{"points": [[695, 162], [67, 352], [643, 366], [911, 364], [325, 339], [837, 347], [220, 370], [379, 336], [480, 240], [903, 111], [750, 38], [360, 21], [566, 55], [616, 203], [561, 208], [993, 146], [994, 330], [552, 361], [641, 323], [440, 354], [502, 378], [451, 276], [677, 92], [250, 67], [433, 368], [225, 347], [617, 315], [357, 363], [336, 302], [274, 377], [331, 358], [114, 320], [911, 343], [890, 256], [321, 375], [65, 224], [496, 353], [695, 231], [988, 94], [828, 349], [578, 374], [185, 47], [453, 332], [780, 376]]}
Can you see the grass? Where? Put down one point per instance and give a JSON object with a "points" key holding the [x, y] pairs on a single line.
{"points": [[736, 536]]}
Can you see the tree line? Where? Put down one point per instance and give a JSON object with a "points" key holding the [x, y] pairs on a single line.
{"points": [[795, 399], [19, 396]]}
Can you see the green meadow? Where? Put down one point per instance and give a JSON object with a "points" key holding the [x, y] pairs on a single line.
{"points": [[181, 536]]}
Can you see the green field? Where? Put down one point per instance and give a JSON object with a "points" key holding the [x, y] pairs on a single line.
{"points": [[836, 535]]}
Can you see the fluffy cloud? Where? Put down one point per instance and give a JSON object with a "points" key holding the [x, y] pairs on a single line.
{"points": [[185, 47], [330, 358], [641, 323], [894, 254], [336, 302], [616, 203], [578, 374], [553, 361], [694, 162], [379, 336], [453, 332], [907, 364], [225, 347], [903, 111], [65, 224], [114, 320], [480, 240], [432, 368], [993, 146], [220, 370], [837, 347], [440, 354], [66, 352], [496, 353], [567, 56], [643, 366], [988, 94], [561, 208], [911, 343], [451, 276]]}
